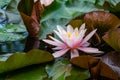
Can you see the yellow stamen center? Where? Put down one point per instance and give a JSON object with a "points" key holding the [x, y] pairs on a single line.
{"points": [[69, 34]]}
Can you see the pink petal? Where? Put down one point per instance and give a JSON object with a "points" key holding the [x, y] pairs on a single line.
{"points": [[52, 42], [78, 40], [88, 36], [74, 53], [60, 36], [85, 44], [57, 48], [56, 40], [90, 50], [60, 53], [69, 28], [69, 43], [82, 27], [60, 29]]}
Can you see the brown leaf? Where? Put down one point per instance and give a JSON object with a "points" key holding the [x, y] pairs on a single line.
{"points": [[101, 20], [82, 61], [112, 59], [113, 38], [32, 21], [108, 66], [31, 13]]}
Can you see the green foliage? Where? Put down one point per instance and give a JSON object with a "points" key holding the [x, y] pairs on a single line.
{"points": [[19, 60], [61, 12], [111, 5]]}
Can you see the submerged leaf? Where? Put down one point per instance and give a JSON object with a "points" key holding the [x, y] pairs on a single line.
{"points": [[19, 60]]}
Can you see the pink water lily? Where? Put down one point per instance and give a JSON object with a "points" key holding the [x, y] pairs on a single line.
{"points": [[73, 40]]}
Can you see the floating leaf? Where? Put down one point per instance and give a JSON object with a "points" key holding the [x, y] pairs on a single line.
{"points": [[61, 69], [81, 61], [113, 38], [19, 60]]}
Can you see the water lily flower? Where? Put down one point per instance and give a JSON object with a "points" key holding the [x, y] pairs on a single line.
{"points": [[71, 40]]}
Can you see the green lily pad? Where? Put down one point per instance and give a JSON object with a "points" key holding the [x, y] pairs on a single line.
{"points": [[19, 60]]}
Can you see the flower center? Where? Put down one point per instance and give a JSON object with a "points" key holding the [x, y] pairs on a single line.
{"points": [[69, 34]]}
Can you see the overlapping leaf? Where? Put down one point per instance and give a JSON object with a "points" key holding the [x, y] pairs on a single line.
{"points": [[107, 66]]}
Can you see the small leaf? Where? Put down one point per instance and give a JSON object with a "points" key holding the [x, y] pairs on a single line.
{"points": [[113, 38], [19, 60]]}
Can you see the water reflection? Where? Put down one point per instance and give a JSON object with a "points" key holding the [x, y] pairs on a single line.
{"points": [[13, 46]]}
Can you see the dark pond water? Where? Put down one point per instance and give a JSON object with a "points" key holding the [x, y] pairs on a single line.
{"points": [[11, 47]]}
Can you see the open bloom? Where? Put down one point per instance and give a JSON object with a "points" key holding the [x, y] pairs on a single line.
{"points": [[73, 40]]}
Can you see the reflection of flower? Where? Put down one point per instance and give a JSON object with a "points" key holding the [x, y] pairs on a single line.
{"points": [[73, 40]]}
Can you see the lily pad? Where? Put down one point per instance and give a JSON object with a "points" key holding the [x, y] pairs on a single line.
{"points": [[20, 60]]}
